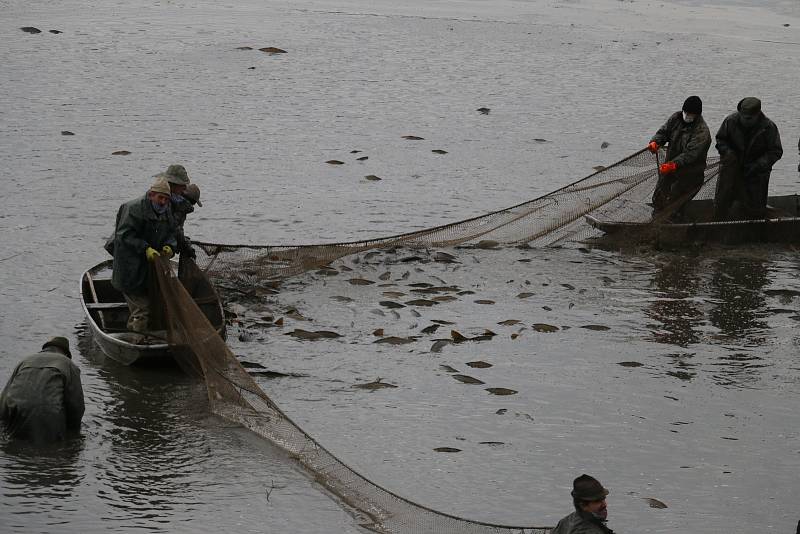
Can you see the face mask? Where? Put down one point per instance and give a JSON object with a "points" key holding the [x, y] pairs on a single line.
{"points": [[177, 199], [688, 118], [159, 208]]}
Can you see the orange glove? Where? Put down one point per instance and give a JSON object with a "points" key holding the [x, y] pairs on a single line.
{"points": [[653, 147], [668, 167]]}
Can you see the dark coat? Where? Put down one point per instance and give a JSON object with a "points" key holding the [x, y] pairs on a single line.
{"points": [[581, 523], [757, 149], [43, 399], [138, 227], [180, 210], [687, 145]]}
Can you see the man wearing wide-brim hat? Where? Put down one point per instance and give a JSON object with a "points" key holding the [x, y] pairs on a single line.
{"points": [[145, 229], [43, 399], [590, 515]]}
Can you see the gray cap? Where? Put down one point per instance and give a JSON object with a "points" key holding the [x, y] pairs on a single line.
{"points": [[192, 193], [749, 106], [175, 174], [60, 343], [160, 186]]}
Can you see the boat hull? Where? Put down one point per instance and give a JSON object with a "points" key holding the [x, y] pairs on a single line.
{"points": [[107, 314]]}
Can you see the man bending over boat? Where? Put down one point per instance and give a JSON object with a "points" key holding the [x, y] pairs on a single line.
{"points": [[590, 515], [43, 399], [145, 229], [749, 145], [687, 139]]}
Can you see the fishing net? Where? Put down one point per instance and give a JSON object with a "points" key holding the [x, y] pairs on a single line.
{"points": [[620, 192]]}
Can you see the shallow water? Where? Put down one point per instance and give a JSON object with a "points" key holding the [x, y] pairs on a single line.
{"points": [[713, 329]]}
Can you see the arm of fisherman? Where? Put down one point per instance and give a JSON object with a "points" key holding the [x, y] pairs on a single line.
{"points": [[723, 137], [663, 134], [129, 230], [73, 398], [3, 395], [696, 148], [774, 149]]}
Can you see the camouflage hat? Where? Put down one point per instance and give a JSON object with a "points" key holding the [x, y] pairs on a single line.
{"points": [[749, 106], [175, 174], [192, 193], [587, 488], [60, 343], [160, 186]]}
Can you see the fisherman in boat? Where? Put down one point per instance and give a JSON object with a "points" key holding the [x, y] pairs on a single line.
{"points": [[590, 515], [145, 230], [687, 139], [43, 399], [749, 145], [182, 208]]}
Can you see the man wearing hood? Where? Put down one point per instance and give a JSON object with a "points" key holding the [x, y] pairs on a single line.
{"points": [[687, 139], [145, 229], [591, 513], [43, 399], [749, 145]]}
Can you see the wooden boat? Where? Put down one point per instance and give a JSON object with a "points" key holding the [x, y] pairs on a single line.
{"points": [[107, 315], [781, 225]]}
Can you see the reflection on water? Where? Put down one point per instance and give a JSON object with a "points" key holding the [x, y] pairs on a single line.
{"points": [[676, 282], [152, 451], [737, 287], [40, 471]]}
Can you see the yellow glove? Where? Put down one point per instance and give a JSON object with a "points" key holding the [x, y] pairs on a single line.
{"points": [[151, 254], [166, 250]]}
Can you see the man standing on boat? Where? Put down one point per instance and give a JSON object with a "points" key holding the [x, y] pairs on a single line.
{"points": [[180, 204], [687, 139], [590, 515], [145, 229], [749, 145], [43, 399]]}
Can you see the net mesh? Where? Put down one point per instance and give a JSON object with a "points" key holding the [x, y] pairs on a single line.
{"points": [[619, 192]]}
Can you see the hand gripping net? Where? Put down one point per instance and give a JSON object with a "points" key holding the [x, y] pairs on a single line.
{"points": [[619, 192]]}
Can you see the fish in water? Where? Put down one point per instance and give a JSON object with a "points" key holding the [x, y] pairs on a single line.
{"points": [[430, 329], [654, 503], [362, 158], [373, 178], [390, 304], [447, 449], [334, 162], [394, 340], [483, 111], [501, 391], [30, 29], [313, 335], [448, 368], [413, 138], [479, 365], [543, 327], [360, 282], [421, 302], [466, 379], [439, 344], [372, 386], [439, 151], [271, 50], [121, 153]]}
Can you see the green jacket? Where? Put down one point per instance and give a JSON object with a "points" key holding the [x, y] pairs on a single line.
{"points": [[580, 523], [138, 227], [757, 149], [43, 399], [687, 144]]}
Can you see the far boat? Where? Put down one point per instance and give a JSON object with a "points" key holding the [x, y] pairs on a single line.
{"points": [[781, 225], [107, 315]]}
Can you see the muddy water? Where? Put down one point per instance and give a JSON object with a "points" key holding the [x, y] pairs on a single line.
{"points": [[705, 424]]}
